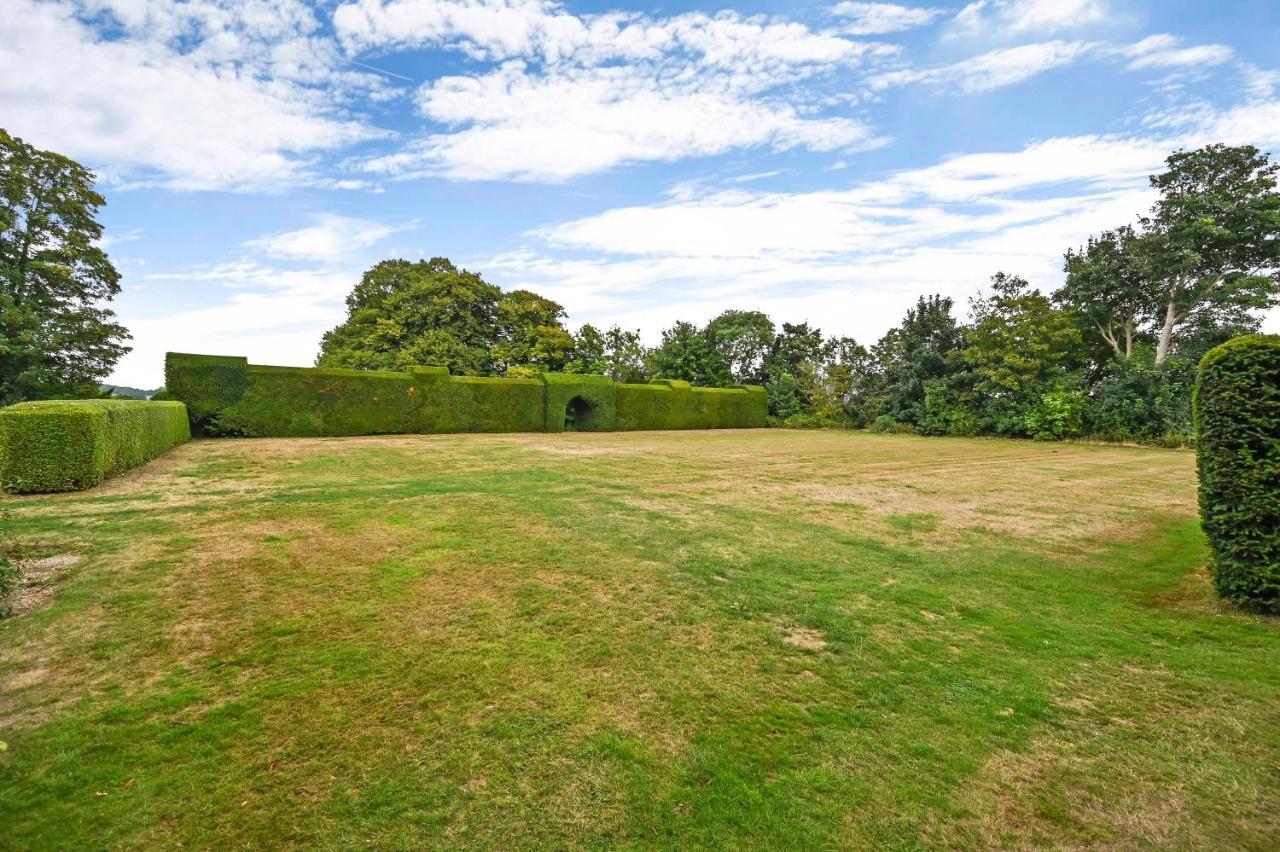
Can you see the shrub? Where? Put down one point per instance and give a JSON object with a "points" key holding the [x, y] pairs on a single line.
{"points": [[1059, 415], [1140, 401], [1237, 417], [814, 421], [66, 446], [887, 425]]}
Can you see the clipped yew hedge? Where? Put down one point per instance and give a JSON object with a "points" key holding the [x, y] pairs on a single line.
{"points": [[67, 446], [671, 404], [230, 397], [1237, 417]]}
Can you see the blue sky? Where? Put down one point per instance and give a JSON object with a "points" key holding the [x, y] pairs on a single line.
{"points": [[638, 162]]}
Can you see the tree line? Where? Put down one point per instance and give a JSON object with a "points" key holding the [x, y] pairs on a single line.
{"points": [[1110, 354]]}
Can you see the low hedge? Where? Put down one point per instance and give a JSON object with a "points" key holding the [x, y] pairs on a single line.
{"points": [[1237, 418], [67, 446]]}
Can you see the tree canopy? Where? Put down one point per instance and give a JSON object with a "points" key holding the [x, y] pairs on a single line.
{"points": [[56, 338], [1206, 257], [429, 312]]}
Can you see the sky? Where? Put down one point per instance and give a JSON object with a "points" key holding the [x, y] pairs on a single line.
{"points": [[638, 162]]}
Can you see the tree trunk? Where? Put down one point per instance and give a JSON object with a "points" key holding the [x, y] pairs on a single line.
{"points": [[1128, 339], [1166, 332]]}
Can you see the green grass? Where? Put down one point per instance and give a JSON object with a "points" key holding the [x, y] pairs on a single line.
{"points": [[721, 640]]}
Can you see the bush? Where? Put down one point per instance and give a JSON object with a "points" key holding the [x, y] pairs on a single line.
{"points": [[67, 446], [1237, 417], [814, 421], [1136, 400], [885, 424], [1059, 415]]}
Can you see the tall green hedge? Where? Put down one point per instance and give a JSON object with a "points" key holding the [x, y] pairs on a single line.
{"points": [[593, 400], [1237, 415], [229, 396], [66, 446], [669, 404]]}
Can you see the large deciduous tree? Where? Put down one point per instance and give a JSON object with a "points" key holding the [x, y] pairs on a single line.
{"points": [[1213, 238], [531, 333], [1108, 288], [1022, 349], [406, 313], [913, 354], [743, 339], [615, 353], [432, 313], [56, 339], [687, 352]]}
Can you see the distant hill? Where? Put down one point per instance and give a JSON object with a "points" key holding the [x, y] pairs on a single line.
{"points": [[127, 392]]}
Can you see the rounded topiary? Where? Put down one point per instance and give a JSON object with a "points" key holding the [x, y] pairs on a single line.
{"points": [[1237, 416]]}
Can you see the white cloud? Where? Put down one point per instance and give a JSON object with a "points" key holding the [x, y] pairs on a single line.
{"points": [[880, 18], [332, 238], [1038, 17], [195, 96], [580, 94], [851, 260], [497, 30], [1164, 51], [993, 69], [549, 127]]}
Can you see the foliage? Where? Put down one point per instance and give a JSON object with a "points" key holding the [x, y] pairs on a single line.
{"points": [[920, 350], [1108, 290], [1021, 348], [1213, 238], [1136, 399], [1237, 413], [616, 353], [55, 338], [67, 446], [530, 333], [1059, 415], [744, 340], [428, 312], [688, 354]]}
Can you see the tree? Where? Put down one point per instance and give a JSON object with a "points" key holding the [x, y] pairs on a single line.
{"points": [[1212, 242], [428, 313], [55, 339], [626, 355], [743, 339], [687, 353], [916, 352], [530, 333], [841, 382], [1023, 350], [588, 352], [1108, 288]]}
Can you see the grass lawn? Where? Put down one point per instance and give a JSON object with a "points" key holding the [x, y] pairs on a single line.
{"points": [[717, 639]]}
